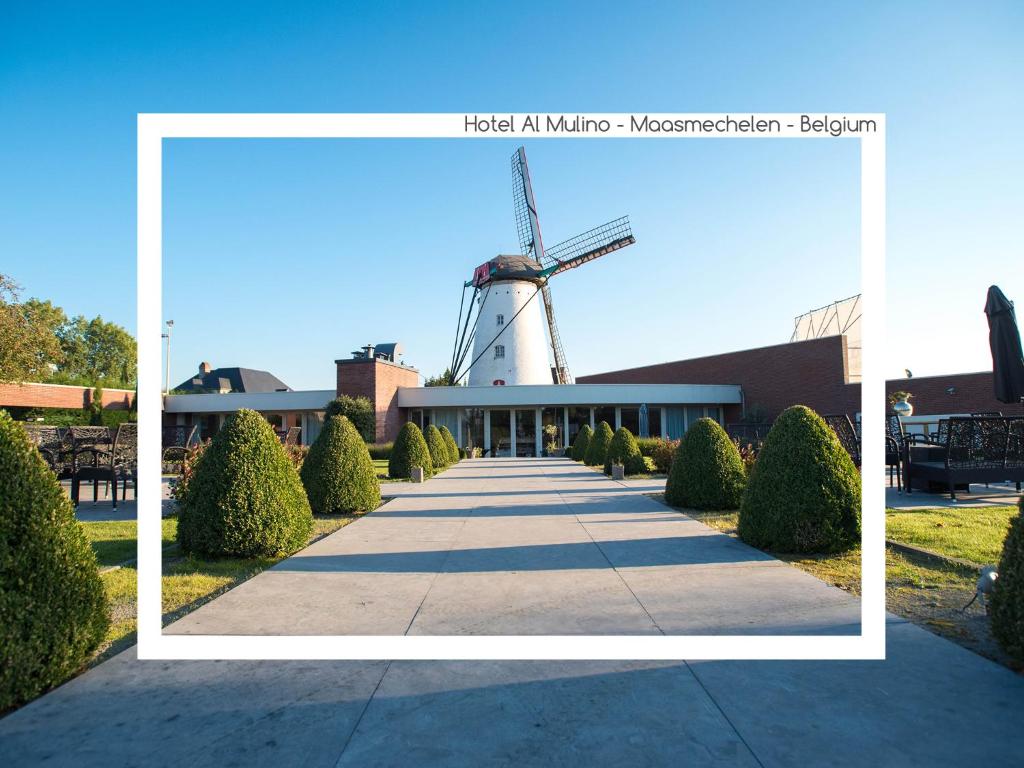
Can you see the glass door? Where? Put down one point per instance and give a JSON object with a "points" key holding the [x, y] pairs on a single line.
{"points": [[526, 432], [501, 433]]}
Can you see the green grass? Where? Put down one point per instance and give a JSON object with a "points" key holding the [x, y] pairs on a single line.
{"points": [[973, 534], [187, 582], [114, 541]]}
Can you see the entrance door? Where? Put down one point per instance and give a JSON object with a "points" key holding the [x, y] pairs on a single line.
{"points": [[501, 433], [526, 432]]}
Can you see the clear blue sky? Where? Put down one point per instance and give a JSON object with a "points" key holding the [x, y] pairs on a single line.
{"points": [[284, 255]]}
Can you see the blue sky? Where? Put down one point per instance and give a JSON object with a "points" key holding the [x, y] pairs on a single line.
{"points": [[285, 255]]}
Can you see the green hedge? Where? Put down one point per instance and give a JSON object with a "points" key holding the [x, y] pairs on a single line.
{"points": [[1006, 609], [338, 472], [453, 447], [358, 410], [707, 472], [597, 448], [380, 450], [579, 445], [53, 610], [623, 450], [244, 497], [804, 490], [439, 455], [410, 451]]}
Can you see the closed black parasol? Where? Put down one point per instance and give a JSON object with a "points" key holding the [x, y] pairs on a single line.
{"points": [[1004, 340]]}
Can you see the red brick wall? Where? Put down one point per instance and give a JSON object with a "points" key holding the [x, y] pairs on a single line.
{"points": [[971, 393], [379, 381], [60, 396], [811, 373]]}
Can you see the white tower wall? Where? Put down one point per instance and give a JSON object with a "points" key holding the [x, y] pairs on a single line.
{"points": [[525, 344]]}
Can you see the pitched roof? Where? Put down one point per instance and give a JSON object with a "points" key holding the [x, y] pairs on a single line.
{"points": [[234, 380]]}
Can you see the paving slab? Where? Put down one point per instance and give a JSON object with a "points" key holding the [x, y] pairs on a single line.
{"points": [[526, 546]]}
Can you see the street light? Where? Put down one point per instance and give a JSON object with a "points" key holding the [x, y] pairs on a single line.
{"points": [[167, 379]]}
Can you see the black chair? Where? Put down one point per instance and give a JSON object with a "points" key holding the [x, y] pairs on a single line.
{"points": [[895, 446], [175, 440], [291, 437], [111, 462], [843, 427], [54, 444]]}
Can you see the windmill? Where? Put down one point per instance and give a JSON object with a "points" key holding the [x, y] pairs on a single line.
{"points": [[507, 336]]}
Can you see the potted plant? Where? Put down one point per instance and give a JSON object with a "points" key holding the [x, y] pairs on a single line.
{"points": [[551, 434], [901, 405]]}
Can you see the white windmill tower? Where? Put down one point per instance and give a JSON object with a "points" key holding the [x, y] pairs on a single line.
{"points": [[512, 298]]}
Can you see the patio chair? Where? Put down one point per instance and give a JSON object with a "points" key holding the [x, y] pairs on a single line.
{"points": [[54, 444], [895, 445], [843, 427], [291, 437], [175, 441], [113, 462]]}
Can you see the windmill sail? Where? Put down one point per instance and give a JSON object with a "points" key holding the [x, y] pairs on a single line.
{"points": [[532, 244], [588, 246]]}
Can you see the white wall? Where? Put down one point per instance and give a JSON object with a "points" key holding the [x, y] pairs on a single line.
{"points": [[526, 345]]}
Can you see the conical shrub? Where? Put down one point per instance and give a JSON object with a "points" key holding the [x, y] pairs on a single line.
{"points": [[245, 497], [803, 494], [707, 471], [53, 611], [410, 450], [579, 445], [1006, 609], [453, 447], [597, 448], [623, 449], [439, 455], [338, 472]]}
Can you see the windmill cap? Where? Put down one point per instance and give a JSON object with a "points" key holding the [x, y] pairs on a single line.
{"points": [[509, 268]]}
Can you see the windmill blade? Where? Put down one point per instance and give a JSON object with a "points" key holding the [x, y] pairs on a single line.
{"points": [[561, 373], [588, 246], [527, 223]]}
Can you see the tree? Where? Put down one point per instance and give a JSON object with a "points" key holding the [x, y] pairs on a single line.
{"points": [[96, 352], [623, 450], [28, 344], [597, 448], [358, 410], [453, 447], [707, 471], [410, 450], [441, 380], [440, 456]]}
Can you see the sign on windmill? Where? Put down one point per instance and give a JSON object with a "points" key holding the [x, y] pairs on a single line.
{"points": [[514, 337]]}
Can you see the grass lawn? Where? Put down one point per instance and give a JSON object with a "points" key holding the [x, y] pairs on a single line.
{"points": [[187, 582], [927, 592], [974, 534]]}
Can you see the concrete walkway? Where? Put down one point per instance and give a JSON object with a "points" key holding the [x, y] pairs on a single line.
{"points": [[521, 547], [931, 703]]}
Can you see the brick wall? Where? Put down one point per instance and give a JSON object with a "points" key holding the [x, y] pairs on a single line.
{"points": [[812, 373], [379, 381], [952, 393], [60, 396]]}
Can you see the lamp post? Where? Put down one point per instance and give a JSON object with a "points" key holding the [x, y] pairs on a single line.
{"points": [[167, 379]]}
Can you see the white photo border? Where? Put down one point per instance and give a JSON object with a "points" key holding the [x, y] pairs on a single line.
{"points": [[154, 644]]}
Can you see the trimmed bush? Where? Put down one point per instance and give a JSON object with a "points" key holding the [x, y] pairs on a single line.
{"points": [[53, 611], [244, 497], [623, 450], [804, 491], [439, 455], [579, 445], [1006, 608], [453, 447], [597, 448], [410, 451], [707, 472], [659, 450], [338, 473], [358, 410]]}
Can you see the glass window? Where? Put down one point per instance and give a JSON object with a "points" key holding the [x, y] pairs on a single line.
{"points": [[604, 413], [712, 412], [499, 351], [693, 414], [472, 428], [552, 425], [654, 421], [501, 319], [676, 425], [577, 418], [501, 433], [526, 433], [631, 420]]}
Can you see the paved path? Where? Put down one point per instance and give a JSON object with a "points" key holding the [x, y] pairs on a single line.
{"points": [[931, 703], [527, 546]]}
